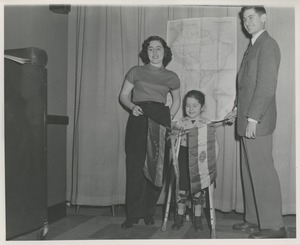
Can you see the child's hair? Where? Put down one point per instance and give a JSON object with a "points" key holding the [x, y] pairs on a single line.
{"points": [[196, 94]]}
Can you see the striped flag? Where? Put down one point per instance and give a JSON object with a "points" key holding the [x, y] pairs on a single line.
{"points": [[202, 157], [155, 153]]}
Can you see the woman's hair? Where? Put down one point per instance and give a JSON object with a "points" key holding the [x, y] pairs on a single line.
{"points": [[196, 94], [258, 9], [144, 52]]}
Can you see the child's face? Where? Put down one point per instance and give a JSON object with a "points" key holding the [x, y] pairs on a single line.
{"points": [[193, 108]]}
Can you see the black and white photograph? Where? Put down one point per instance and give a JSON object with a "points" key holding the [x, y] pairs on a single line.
{"points": [[149, 121]]}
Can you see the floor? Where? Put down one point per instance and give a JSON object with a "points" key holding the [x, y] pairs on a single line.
{"points": [[98, 223]]}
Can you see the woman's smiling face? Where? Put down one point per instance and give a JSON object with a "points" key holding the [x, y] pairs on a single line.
{"points": [[156, 53]]}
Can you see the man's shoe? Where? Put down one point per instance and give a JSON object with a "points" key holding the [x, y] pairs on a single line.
{"points": [[269, 233], [246, 226]]}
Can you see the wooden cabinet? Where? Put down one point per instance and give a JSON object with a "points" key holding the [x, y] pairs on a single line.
{"points": [[25, 141], [56, 166]]}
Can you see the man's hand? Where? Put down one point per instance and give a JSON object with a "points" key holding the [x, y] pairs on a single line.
{"points": [[230, 117], [251, 130]]}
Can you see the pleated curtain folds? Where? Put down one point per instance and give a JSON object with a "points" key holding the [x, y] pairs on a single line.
{"points": [[104, 42]]}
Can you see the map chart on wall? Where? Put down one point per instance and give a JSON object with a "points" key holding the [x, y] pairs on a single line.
{"points": [[205, 58]]}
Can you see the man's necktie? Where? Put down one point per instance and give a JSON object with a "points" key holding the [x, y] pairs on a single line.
{"points": [[247, 51]]}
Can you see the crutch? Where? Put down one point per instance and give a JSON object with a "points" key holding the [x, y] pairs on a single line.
{"points": [[212, 211], [175, 151]]}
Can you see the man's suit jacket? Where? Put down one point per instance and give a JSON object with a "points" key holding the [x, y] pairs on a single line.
{"points": [[257, 82]]}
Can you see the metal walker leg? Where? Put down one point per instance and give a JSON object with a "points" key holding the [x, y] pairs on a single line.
{"points": [[212, 211]]}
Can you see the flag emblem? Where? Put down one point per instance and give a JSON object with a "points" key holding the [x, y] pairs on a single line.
{"points": [[202, 157], [155, 153]]}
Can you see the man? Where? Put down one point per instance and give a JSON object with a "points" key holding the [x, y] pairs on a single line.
{"points": [[255, 109]]}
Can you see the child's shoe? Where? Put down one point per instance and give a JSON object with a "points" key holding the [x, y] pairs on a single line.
{"points": [[178, 222], [198, 223]]}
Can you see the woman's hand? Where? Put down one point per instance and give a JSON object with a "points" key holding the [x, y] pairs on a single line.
{"points": [[137, 111]]}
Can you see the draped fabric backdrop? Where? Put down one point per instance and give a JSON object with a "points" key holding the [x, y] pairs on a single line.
{"points": [[104, 42]]}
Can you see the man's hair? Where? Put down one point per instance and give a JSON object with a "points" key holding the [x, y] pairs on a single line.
{"points": [[258, 9]]}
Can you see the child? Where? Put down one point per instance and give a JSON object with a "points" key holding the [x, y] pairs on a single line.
{"points": [[193, 105]]}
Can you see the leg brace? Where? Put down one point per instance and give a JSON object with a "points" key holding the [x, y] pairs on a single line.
{"points": [[181, 204], [198, 202]]}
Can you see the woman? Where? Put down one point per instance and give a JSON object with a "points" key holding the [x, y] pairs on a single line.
{"points": [[144, 92]]}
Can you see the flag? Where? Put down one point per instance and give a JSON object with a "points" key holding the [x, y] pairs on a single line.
{"points": [[202, 157], [155, 153]]}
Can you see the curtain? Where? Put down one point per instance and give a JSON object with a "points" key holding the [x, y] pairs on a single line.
{"points": [[104, 42]]}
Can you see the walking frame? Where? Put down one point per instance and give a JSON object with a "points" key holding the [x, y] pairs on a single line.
{"points": [[175, 139]]}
